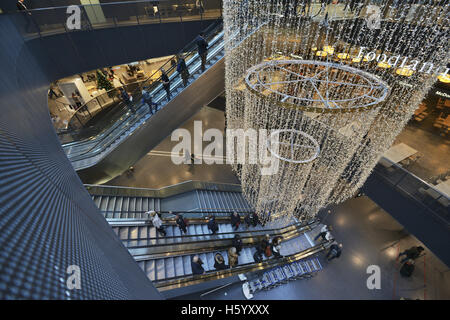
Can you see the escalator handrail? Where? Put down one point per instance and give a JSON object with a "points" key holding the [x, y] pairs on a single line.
{"points": [[82, 154], [296, 229], [297, 225], [184, 52], [243, 268]]}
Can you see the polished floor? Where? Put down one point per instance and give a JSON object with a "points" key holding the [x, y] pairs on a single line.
{"points": [[370, 236], [157, 170], [433, 147]]}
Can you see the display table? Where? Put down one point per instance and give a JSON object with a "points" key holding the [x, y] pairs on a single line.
{"points": [[399, 152], [444, 187]]}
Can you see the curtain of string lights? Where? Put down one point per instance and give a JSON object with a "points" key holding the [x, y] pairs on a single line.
{"points": [[337, 82]]}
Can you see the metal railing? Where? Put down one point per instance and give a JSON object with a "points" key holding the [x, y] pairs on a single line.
{"points": [[53, 20], [420, 191], [117, 111], [164, 192]]}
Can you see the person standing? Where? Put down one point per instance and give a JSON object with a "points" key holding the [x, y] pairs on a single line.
{"points": [[276, 246], [183, 70], [196, 265], [212, 225], [235, 219], [411, 253], [157, 222], [237, 243], [264, 246], [251, 219], [126, 98], [219, 262], [202, 49], [334, 252], [166, 83], [147, 99], [181, 223], [233, 258]]}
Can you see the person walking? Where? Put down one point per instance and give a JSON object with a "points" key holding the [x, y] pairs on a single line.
{"points": [[411, 253], [407, 268], [334, 252], [235, 219], [219, 262], [147, 99], [166, 83], [202, 49], [325, 233], [237, 243], [183, 70], [196, 265], [127, 99], [212, 224], [233, 258], [157, 222], [181, 223]]}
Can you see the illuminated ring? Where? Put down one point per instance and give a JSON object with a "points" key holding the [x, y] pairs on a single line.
{"points": [[372, 89]]}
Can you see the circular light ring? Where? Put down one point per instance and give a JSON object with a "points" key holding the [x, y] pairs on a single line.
{"points": [[376, 89], [313, 145]]}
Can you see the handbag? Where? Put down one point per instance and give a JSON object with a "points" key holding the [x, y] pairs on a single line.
{"points": [[268, 251]]}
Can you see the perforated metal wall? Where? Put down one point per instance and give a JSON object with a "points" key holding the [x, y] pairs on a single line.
{"points": [[47, 219]]}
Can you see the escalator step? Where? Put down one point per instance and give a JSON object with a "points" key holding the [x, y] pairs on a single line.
{"points": [[179, 268], [170, 267], [160, 269]]}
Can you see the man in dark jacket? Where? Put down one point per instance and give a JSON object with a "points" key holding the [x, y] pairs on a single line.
{"points": [[197, 266], [166, 83], [202, 48], [251, 219], [411, 253], [212, 225], [237, 243], [181, 223], [235, 220], [334, 252], [126, 99], [407, 268], [183, 70]]}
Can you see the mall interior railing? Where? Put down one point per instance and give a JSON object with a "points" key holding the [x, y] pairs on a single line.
{"points": [[423, 193], [53, 20], [81, 126]]}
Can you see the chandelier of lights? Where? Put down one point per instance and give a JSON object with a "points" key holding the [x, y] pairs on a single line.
{"points": [[334, 87]]}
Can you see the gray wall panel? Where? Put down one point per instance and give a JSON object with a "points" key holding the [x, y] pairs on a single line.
{"points": [[47, 218]]}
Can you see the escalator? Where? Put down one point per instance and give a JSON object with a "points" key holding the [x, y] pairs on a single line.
{"points": [[191, 203], [119, 123], [167, 260], [168, 265]]}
